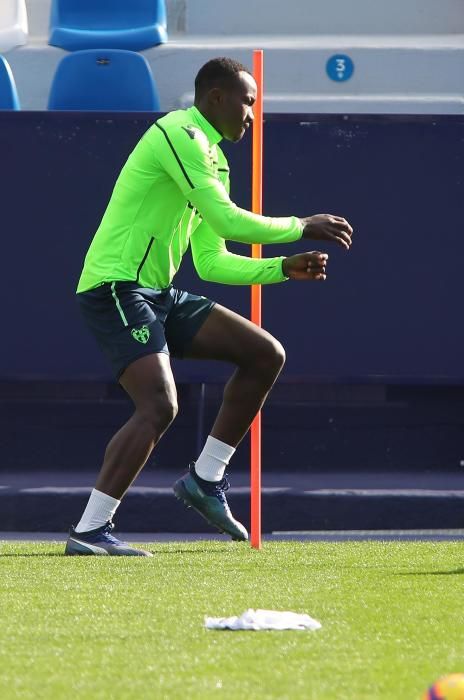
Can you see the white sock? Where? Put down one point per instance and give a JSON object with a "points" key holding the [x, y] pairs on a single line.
{"points": [[100, 508], [213, 460]]}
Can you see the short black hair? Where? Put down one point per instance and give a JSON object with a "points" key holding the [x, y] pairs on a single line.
{"points": [[218, 72]]}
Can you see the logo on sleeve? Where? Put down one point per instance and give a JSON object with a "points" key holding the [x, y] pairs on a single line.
{"points": [[142, 335], [190, 131]]}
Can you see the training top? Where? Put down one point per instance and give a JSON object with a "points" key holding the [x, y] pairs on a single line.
{"points": [[172, 190]]}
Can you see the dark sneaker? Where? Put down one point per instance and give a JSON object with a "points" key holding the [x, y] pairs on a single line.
{"points": [[100, 541], [208, 499]]}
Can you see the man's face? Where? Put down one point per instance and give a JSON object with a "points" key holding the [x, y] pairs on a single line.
{"points": [[234, 107]]}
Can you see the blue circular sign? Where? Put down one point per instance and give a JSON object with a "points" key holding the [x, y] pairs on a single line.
{"points": [[340, 67]]}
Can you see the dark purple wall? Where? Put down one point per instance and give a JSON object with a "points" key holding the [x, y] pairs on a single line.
{"points": [[391, 308]]}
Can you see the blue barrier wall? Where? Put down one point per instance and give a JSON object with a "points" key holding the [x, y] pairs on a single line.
{"points": [[391, 308]]}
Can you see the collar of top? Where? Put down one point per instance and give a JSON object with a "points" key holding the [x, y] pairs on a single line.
{"points": [[213, 135]]}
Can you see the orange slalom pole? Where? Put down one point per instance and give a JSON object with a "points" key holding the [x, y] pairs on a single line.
{"points": [[257, 208]]}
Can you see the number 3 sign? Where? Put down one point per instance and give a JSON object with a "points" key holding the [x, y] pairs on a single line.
{"points": [[339, 68]]}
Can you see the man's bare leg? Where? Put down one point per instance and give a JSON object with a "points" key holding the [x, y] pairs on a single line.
{"points": [[259, 359], [150, 384]]}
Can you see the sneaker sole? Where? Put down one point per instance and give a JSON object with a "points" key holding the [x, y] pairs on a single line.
{"points": [[76, 548], [84, 549], [183, 495]]}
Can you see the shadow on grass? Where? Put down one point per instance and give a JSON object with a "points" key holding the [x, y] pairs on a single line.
{"points": [[157, 552], [453, 572], [4, 555]]}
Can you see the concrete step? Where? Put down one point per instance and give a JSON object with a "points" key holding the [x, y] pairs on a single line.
{"points": [[309, 17], [308, 480], [408, 75], [393, 75], [316, 17], [414, 75], [421, 64], [145, 509]]}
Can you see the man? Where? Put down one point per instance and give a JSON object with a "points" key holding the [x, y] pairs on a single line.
{"points": [[172, 191]]}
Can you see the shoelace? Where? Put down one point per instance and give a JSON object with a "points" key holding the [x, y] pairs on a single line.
{"points": [[218, 489], [212, 488], [107, 532]]}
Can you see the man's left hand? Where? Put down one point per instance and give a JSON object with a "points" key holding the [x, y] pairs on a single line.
{"points": [[328, 227]]}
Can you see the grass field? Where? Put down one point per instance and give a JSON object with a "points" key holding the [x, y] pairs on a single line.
{"points": [[391, 614]]}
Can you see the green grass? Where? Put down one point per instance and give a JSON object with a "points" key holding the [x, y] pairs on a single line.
{"points": [[94, 627]]}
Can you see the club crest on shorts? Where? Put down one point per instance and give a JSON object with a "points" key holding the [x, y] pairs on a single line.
{"points": [[141, 334]]}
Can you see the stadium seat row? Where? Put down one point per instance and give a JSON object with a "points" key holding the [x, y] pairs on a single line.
{"points": [[94, 79], [84, 24]]}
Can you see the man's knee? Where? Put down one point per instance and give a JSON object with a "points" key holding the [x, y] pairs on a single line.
{"points": [[168, 409], [271, 357], [277, 354], [159, 411]]}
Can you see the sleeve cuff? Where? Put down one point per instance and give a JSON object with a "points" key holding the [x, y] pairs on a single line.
{"points": [[283, 277]]}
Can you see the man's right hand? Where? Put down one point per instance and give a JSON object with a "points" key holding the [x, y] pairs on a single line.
{"points": [[305, 266]]}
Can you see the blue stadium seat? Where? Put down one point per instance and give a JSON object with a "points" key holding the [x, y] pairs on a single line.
{"points": [[8, 93], [104, 80], [114, 24]]}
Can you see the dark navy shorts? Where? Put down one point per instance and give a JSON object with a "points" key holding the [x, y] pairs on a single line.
{"points": [[129, 321]]}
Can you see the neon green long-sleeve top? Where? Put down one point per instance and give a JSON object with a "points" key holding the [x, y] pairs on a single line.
{"points": [[172, 191]]}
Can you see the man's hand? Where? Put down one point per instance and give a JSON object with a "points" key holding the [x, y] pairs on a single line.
{"points": [[305, 266], [327, 227]]}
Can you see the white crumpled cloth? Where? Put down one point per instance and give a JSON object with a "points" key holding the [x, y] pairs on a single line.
{"points": [[263, 620]]}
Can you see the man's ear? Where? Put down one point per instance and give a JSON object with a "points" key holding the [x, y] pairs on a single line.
{"points": [[215, 96]]}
